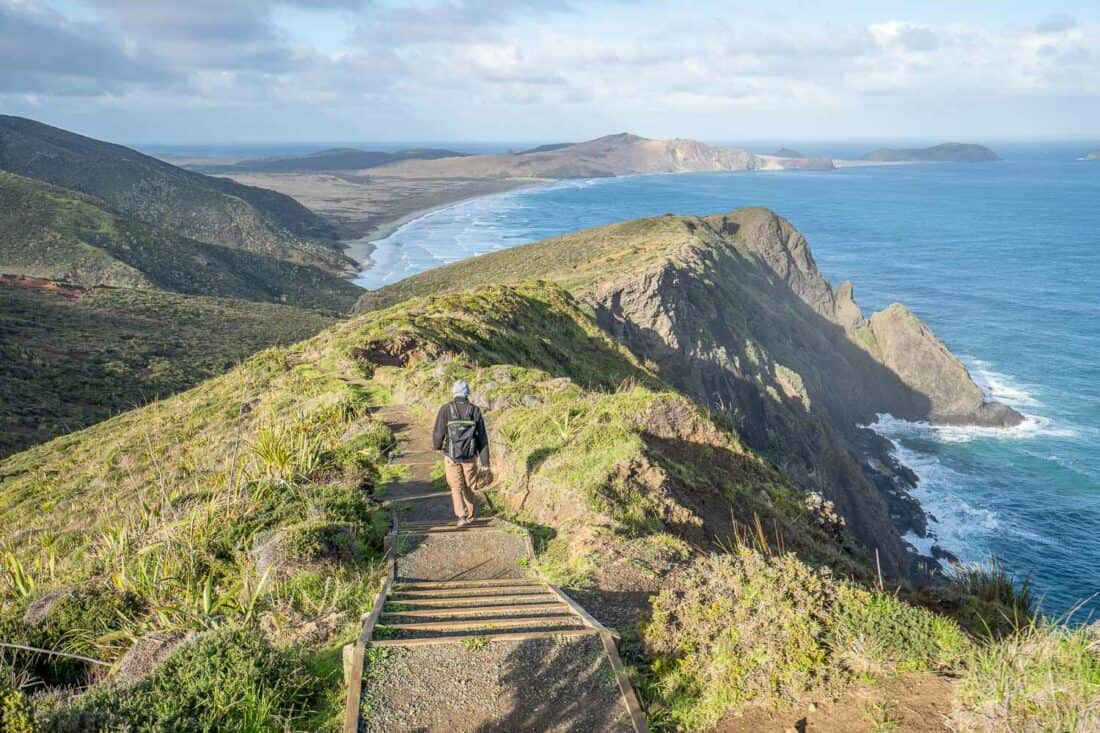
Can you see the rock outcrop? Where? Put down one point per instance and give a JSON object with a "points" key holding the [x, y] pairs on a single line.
{"points": [[741, 318]]}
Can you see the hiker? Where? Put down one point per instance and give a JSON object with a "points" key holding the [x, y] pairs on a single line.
{"points": [[460, 434]]}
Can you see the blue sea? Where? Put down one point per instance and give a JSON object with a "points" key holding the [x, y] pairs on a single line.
{"points": [[1001, 259]]}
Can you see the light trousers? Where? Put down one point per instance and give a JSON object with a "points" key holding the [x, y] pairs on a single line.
{"points": [[462, 479]]}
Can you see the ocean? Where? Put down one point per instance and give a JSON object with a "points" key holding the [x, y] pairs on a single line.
{"points": [[1000, 259]]}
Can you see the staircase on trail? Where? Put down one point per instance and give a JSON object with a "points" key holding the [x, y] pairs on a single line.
{"points": [[469, 639]]}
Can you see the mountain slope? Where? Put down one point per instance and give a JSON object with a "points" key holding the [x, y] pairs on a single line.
{"points": [[943, 153], [612, 155], [335, 159], [57, 234], [70, 357], [203, 208], [732, 310]]}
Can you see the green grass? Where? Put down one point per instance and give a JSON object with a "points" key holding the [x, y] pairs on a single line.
{"points": [[749, 627], [225, 680], [1044, 677], [58, 234], [66, 363], [140, 188], [237, 503]]}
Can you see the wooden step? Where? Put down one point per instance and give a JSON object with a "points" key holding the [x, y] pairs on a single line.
{"points": [[476, 592], [449, 531], [446, 524], [433, 522], [395, 498], [503, 622], [412, 585], [474, 601], [467, 611], [505, 636]]}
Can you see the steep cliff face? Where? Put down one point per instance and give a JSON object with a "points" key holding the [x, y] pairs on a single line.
{"points": [[741, 318]]}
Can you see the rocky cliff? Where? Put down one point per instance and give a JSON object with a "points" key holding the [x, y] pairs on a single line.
{"points": [[733, 310]]}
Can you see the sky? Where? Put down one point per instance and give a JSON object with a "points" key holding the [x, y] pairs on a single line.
{"points": [[195, 71]]}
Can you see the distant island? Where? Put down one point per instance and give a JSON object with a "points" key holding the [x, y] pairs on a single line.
{"points": [[788, 153], [944, 153], [1094, 155]]}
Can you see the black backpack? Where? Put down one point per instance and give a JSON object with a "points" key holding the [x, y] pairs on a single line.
{"points": [[461, 434]]}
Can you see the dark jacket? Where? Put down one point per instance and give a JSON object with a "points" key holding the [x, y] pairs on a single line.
{"points": [[465, 408]]}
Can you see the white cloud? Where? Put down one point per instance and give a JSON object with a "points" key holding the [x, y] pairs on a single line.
{"points": [[607, 62]]}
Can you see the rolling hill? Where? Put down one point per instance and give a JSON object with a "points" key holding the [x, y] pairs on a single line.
{"points": [[58, 234], [334, 159], [217, 548], [203, 208], [71, 356]]}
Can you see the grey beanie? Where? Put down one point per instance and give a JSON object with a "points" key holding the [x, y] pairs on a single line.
{"points": [[460, 389]]}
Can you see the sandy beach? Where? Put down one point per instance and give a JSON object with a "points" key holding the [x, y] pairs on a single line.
{"points": [[367, 208]]}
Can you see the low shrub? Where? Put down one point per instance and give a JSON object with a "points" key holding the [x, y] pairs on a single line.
{"points": [[224, 680], [739, 627], [16, 712], [877, 632], [753, 627]]}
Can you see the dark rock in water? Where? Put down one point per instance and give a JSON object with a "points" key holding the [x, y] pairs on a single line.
{"points": [[945, 153], [788, 153], [941, 554]]}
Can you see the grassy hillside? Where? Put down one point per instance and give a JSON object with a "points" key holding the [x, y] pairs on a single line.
{"points": [[54, 233], [203, 208], [238, 521], [238, 505], [70, 360], [731, 310], [575, 261]]}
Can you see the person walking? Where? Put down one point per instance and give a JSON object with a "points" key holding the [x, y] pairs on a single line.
{"points": [[460, 433]]}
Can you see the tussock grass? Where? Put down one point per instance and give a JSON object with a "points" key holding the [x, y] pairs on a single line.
{"points": [[153, 521], [1044, 677]]}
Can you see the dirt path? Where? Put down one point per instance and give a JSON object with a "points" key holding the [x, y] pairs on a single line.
{"points": [[468, 640], [913, 703]]}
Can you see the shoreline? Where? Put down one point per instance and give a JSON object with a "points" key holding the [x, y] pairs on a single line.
{"points": [[360, 248]]}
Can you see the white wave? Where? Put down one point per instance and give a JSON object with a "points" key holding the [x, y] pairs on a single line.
{"points": [[1033, 426], [1001, 387], [955, 522]]}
